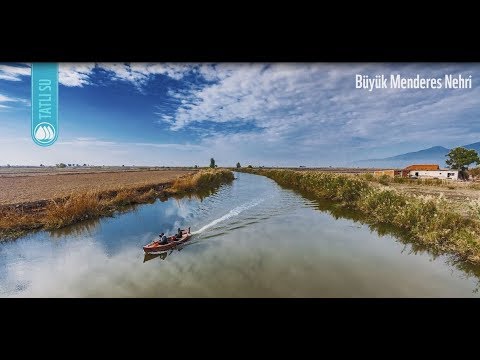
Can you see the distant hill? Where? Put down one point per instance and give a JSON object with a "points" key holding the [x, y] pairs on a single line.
{"points": [[474, 146], [433, 155], [435, 152]]}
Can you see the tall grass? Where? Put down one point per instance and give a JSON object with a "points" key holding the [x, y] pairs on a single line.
{"points": [[73, 209], [427, 220], [14, 222], [204, 179]]}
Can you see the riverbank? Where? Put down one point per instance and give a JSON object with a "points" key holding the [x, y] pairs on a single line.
{"points": [[25, 185], [428, 220], [18, 219]]}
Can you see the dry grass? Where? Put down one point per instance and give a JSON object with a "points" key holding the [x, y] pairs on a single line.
{"points": [[202, 180], [16, 221], [14, 224], [19, 188], [75, 208]]}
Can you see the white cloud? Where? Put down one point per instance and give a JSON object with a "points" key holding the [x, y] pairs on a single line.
{"points": [[13, 73], [87, 141], [4, 98], [100, 152], [184, 147], [8, 99], [122, 71], [139, 73], [94, 142], [80, 74], [174, 71], [70, 74], [316, 108], [272, 113]]}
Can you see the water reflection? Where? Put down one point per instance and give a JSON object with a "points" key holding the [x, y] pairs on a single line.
{"points": [[413, 247], [163, 255], [197, 195], [85, 227], [88, 227], [252, 238], [148, 257]]}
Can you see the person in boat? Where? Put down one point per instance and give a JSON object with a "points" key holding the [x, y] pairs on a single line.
{"points": [[163, 239], [179, 233]]}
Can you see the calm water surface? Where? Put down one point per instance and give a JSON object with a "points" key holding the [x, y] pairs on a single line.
{"points": [[252, 239]]}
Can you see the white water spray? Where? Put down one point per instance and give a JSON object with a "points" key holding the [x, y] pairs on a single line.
{"points": [[234, 212]]}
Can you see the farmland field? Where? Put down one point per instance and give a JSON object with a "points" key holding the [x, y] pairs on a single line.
{"points": [[20, 185]]}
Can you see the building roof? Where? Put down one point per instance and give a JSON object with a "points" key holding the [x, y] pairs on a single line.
{"points": [[422, 167]]}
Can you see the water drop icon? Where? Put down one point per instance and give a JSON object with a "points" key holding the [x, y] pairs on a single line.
{"points": [[44, 133], [49, 131], [40, 134]]}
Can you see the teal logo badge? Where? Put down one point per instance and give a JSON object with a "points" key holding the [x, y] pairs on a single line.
{"points": [[44, 103]]}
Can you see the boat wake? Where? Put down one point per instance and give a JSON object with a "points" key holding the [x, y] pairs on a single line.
{"points": [[234, 212]]}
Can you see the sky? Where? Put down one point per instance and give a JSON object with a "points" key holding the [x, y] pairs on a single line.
{"points": [[279, 114]]}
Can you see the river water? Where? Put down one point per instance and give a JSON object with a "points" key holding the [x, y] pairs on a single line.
{"points": [[252, 238]]}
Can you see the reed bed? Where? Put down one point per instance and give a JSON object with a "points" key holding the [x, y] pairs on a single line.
{"points": [[202, 180], [58, 213], [427, 220]]}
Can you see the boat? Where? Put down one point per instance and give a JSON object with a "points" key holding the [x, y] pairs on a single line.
{"points": [[173, 241]]}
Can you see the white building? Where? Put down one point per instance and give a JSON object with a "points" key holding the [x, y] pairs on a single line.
{"points": [[434, 174]]}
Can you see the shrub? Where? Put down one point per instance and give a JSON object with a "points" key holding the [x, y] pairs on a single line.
{"points": [[384, 180], [427, 220]]}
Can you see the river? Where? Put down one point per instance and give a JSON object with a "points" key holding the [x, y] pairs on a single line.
{"points": [[252, 238]]}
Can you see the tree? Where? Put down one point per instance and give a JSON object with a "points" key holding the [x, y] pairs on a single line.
{"points": [[212, 162], [238, 165], [250, 166], [61, 165], [460, 158], [196, 166]]}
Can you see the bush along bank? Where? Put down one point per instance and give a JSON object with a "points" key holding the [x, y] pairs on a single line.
{"points": [[15, 221], [427, 221]]}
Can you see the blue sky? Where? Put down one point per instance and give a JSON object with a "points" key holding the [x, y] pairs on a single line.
{"points": [[260, 114]]}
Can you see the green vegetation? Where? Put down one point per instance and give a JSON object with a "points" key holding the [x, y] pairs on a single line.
{"points": [[460, 158], [15, 221], [238, 165], [212, 163], [61, 165], [427, 220], [384, 179]]}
